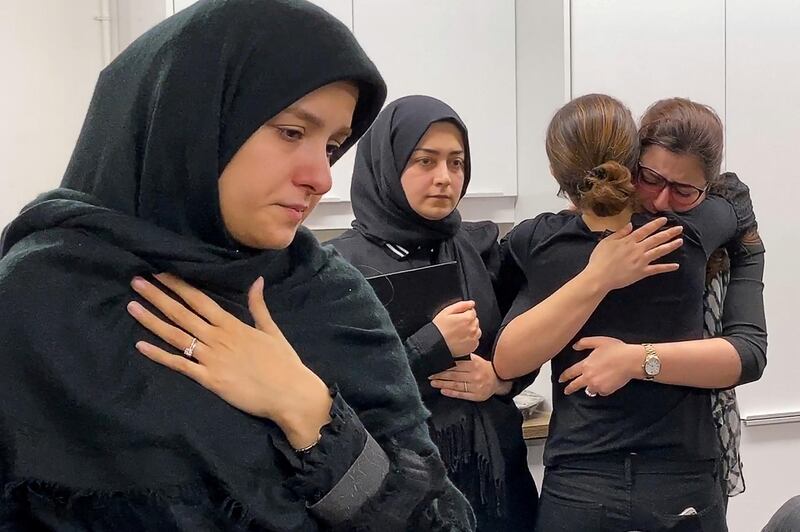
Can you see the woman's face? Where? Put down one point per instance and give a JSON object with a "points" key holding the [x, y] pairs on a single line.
{"points": [[279, 174], [434, 175], [669, 182]]}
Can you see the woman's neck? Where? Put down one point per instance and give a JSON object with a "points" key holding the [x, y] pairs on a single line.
{"points": [[610, 223]]}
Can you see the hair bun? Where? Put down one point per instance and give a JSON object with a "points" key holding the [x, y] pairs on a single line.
{"points": [[608, 189]]}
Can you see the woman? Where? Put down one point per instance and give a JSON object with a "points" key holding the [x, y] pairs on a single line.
{"points": [[206, 143], [652, 463], [734, 300], [412, 169]]}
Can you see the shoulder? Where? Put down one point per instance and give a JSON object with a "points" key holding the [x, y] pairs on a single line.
{"points": [[529, 233], [482, 235]]}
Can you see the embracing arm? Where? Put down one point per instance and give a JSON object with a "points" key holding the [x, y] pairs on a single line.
{"points": [[737, 357], [537, 335]]}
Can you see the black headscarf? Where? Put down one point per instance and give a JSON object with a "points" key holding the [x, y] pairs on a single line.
{"points": [[171, 111], [84, 417], [383, 214]]}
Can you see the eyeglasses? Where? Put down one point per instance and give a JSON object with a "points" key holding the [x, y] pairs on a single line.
{"points": [[682, 194]]}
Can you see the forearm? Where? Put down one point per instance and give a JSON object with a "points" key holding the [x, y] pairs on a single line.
{"points": [[537, 335], [710, 363]]}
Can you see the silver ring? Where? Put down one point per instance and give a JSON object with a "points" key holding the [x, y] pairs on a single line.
{"points": [[189, 351], [466, 390], [589, 392]]}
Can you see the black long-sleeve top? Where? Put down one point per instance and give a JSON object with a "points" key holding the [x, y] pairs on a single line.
{"points": [[672, 422]]}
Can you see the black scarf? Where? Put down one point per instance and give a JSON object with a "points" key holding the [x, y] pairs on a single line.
{"points": [[86, 419], [464, 432]]}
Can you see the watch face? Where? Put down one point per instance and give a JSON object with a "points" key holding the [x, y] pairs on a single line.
{"points": [[652, 366]]}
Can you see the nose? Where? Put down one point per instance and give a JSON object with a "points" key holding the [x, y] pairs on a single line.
{"points": [[316, 173], [442, 174], [662, 200]]}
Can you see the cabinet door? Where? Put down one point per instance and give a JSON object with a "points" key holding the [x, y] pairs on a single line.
{"points": [[641, 52], [462, 52]]}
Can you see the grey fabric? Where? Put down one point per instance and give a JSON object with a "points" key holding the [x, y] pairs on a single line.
{"points": [[787, 518], [359, 484]]}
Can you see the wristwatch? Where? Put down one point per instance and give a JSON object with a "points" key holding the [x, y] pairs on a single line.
{"points": [[652, 364]]}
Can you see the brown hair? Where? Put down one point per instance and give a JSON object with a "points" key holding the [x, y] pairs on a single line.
{"points": [[593, 147], [685, 127]]}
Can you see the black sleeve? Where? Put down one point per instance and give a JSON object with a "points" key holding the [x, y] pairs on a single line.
{"points": [[507, 276], [350, 481], [743, 321], [709, 225], [428, 352], [416, 494], [730, 187]]}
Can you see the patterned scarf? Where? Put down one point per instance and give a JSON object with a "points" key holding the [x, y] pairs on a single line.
{"points": [[723, 402]]}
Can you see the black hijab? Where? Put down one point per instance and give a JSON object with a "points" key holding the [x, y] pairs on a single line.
{"points": [[383, 214], [84, 418]]}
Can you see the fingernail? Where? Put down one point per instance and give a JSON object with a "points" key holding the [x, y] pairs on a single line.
{"points": [[260, 283], [141, 346], [135, 308], [138, 282]]}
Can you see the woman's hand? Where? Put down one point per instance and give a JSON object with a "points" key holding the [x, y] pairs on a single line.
{"points": [[252, 368], [610, 366], [471, 380], [625, 257], [458, 324]]}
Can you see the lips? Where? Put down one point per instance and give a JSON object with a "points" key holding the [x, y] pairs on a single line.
{"points": [[296, 211]]}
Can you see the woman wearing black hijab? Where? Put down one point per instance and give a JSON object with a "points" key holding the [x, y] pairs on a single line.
{"points": [[206, 143], [412, 168]]}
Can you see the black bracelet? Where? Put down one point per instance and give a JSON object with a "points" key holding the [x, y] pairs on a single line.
{"points": [[501, 379]]}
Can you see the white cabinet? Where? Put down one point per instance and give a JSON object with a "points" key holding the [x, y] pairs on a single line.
{"points": [[642, 51], [462, 52]]}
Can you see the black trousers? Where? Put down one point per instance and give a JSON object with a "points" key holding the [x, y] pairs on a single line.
{"points": [[631, 493]]}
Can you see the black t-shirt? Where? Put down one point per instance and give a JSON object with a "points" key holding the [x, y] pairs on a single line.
{"points": [[671, 422]]}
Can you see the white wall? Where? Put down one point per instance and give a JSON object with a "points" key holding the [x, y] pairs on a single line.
{"points": [[51, 55]]}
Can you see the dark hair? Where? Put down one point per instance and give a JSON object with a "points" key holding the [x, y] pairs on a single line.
{"points": [[687, 128], [593, 148]]}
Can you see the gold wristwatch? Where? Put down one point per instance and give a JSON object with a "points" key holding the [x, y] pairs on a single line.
{"points": [[652, 364]]}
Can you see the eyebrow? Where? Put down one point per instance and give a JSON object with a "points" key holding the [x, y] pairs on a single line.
{"points": [[313, 119], [437, 152]]}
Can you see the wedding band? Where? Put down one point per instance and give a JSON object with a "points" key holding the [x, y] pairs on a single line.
{"points": [[466, 390], [589, 392], [189, 351]]}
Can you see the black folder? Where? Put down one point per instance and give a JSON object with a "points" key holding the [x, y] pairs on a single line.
{"points": [[414, 297]]}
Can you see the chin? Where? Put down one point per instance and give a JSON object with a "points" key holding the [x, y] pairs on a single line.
{"points": [[279, 240]]}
